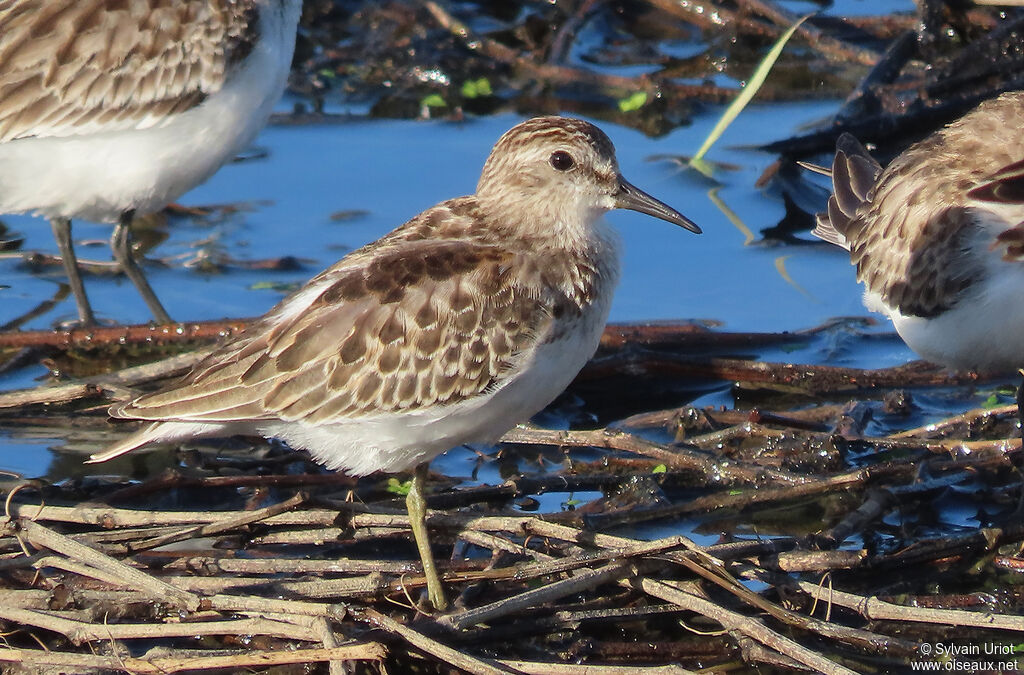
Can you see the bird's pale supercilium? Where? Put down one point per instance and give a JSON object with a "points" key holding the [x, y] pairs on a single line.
{"points": [[111, 108], [453, 328]]}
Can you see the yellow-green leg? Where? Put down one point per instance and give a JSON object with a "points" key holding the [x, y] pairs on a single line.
{"points": [[417, 507]]}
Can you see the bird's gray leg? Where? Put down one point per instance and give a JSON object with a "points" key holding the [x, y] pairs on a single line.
{"points": [[62, 232], [121, 245], [417, 507]]}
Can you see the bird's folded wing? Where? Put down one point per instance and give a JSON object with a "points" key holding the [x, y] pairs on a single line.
{"points": [[69, 68], [1005, 188], [930, 275], [422, 323]]}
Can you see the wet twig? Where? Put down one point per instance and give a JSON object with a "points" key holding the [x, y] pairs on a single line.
{"points": [[564, 75], [159, 664]]}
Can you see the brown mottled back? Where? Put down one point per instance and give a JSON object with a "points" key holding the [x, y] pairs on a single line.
{"points": [[419, 318]]}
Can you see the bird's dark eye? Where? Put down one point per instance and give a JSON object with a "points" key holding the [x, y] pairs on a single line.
{"points": [[562, 160]]}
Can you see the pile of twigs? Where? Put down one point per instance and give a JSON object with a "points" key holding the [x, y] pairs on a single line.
{"points": [[834, 551]]}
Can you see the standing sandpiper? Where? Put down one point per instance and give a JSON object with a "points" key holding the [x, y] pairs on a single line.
{"points": [[938, 236], [452, 329], [111, 108]]}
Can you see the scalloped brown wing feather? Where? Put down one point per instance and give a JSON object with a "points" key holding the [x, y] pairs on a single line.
{"points": [[422, 324], [1006, 186]]}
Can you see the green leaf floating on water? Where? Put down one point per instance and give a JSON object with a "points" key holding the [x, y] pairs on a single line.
{"points": [[740, 102], [633, 101], [476, 88], [661, 468], [433, 101], [991, 402]]}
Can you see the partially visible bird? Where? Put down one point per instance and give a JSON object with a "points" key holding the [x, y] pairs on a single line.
{"points": [[112, 108], [937, 237], [453, 328]]}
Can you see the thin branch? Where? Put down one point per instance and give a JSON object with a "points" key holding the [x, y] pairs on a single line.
{"points": [[446, 654], [369, 651], [43, 537], [731, 620]]}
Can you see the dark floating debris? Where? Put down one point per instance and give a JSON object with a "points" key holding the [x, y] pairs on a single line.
{"points": [[930, 74], [413, 59]]}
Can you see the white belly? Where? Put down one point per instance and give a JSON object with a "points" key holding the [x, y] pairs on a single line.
{"points": [[396, 442], [984, 331], [399, 441]]}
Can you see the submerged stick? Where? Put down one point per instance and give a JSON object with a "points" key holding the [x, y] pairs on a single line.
{"points": [[682, 335], [150, 333], [730, 620]]}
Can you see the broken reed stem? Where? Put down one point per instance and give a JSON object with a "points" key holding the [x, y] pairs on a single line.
{"points": [[93, 387], [80, 631], [678, 457], [538, 597], [730, 620], [232, 522], [682, 336], [963, 418], [442, 652], [874, 609], [93, 337], [43, 537]]}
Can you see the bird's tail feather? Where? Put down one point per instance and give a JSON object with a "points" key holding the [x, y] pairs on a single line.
{"points": [[854, 172], [151, 433]]}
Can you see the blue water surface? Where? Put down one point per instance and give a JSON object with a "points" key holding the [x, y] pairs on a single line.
{"points": [[393, 169]]}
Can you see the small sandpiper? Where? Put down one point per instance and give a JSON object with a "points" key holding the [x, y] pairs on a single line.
{"points": [[938, 236], [111, 108], [452, 329]]}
